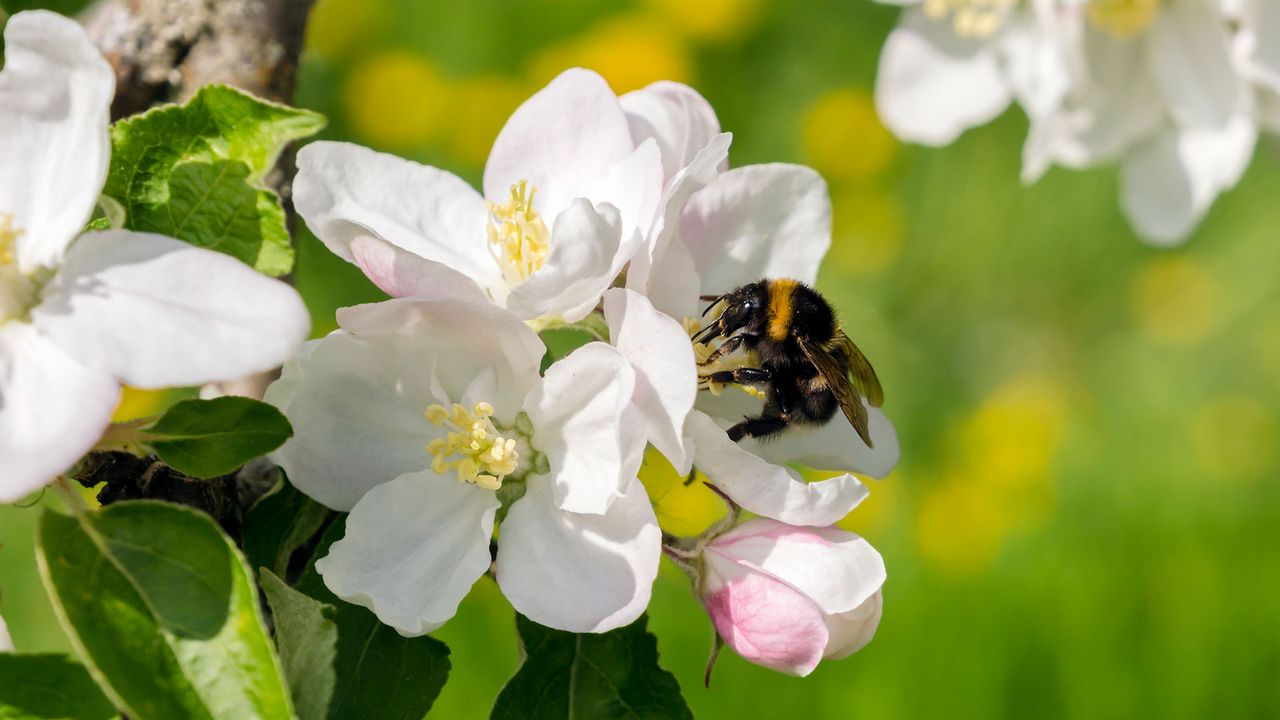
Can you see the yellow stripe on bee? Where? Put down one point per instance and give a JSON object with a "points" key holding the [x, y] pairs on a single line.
{"points": [[780, 294]]}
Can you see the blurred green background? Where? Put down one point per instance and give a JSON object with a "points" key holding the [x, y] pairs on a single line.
{"points": [[1083, 523]]}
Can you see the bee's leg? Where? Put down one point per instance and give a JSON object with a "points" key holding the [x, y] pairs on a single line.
{"points": [[739, 376], [757, 427], [727, 347]]}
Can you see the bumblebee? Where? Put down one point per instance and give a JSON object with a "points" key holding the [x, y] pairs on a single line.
{"points": [[807, 366]]}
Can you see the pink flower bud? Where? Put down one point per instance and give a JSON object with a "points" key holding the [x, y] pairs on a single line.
{"points": [[786, 597]]}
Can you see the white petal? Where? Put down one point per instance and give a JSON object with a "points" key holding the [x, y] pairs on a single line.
{"points": [[346, 192], [6, 642], [156, 312], [634, 186], [767, 489], [579, 573], [400, 273], [1036, 64], [1261, 27], [850, 632], [676, 116], [933, 85], [1170, 181], [666, 375], [836, 569], [585, 244], [55, 97], [664, 270], [52, 410], [835, 445], [412, 550], [1190, 58], [758, 221], [560, 140], [577, 413]]}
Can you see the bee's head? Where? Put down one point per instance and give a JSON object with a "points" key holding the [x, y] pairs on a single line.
{"points": [[741, 309]]}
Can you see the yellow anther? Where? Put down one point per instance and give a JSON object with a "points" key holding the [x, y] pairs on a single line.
{"points": [[1123, 18], [9, 235], [518, 238], [971, 18], [472, 448]]}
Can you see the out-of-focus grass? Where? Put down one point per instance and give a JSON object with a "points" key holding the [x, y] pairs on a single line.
{"points": [[1083, 521]]}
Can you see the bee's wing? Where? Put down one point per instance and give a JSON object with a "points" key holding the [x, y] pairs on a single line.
{"points": [[864, 376], [838, 381]]}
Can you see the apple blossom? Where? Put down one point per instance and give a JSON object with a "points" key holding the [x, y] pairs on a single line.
{"points": [[6, 642], [568, 199], [788, 597], [423, 417], [1156, 86], [80, 314]]}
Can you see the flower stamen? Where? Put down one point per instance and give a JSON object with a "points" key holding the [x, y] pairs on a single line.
{"points": [[702, 352], [971, 18], [19, 291], [472, 448], [1123, 18], [518, 238]]}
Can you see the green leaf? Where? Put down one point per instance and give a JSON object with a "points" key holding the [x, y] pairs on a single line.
{"points": [[609, 675], [208, 438], [379, 672], [163, 611], [49, 686], [279, 524], [197, 172], [308, 640]]}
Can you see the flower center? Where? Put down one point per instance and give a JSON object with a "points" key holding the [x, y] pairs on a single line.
{"points": [[703, 352], [18, 291], [971, 18], [474, 448], [1123, 18], [517, 235]]}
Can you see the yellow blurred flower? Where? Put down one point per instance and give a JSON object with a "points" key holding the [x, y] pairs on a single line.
{"points": [[135, 403], [337, 27], [683, 509], [999, 475], [396, 99], [630, 51], [869, 229], [481, 106], [710, 20], [1233, 437], [843, 137], [1175, 300]]}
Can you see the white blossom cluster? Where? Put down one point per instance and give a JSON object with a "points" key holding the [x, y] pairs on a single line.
{"points": [[429, 419], [1175, 91]]}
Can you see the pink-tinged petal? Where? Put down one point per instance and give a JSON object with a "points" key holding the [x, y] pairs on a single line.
{"points": [[676, 116], [585, 244], [666, 375], [764, 488], [52, 410], [758, 221], [561, 140], [156, 312], [933, 84], [400, 273], [578, 413], [664, 270], [762, 619], [55, 97], [345, 192], [851, 631], [412, 550], [835, 569], [579, 573]]}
